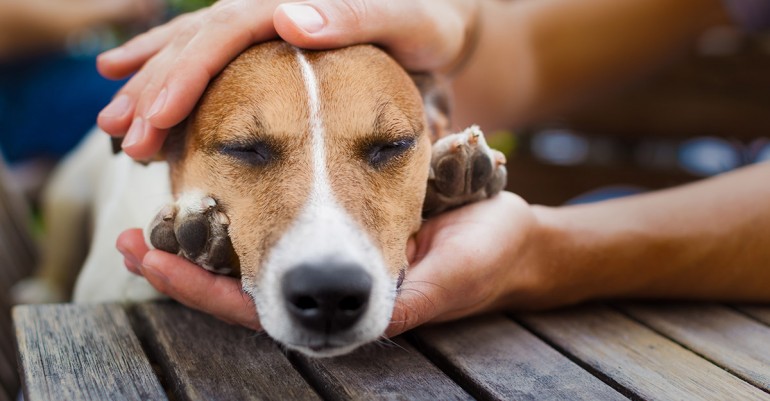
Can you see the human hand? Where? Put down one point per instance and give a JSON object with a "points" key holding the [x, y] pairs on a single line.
{"points": [[172, 275], [474, 259], [174, 62]]}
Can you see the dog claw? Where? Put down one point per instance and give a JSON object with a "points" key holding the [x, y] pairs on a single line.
{"points": [[195, 228], [464, 169]]}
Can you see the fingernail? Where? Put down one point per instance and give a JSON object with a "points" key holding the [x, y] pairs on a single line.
{"points": [[117, 107], [135, 133], [305, 17], [160, 101], [151, 271]]}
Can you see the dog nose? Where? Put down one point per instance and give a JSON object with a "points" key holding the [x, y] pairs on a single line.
{"points": [[327, 297]]}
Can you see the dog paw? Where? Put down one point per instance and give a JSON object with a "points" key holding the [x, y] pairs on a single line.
{"points": [[463, 169], [195, 228]]}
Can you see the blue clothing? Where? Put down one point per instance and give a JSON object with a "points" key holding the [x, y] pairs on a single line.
{"points": [[48, 103]]}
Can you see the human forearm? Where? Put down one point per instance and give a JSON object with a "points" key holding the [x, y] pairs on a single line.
{"points": [[538, 57], [707, 240]]}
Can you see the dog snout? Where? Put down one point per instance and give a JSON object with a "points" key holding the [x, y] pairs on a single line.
{"points": [[327, 298]]}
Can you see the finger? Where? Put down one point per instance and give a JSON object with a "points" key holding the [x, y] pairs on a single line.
{"points": [[123, 60], [121, 113], [115, 118], [193, 286], [416, 304], [227, 30], [143, 141], [131, 245], [429, 39]]}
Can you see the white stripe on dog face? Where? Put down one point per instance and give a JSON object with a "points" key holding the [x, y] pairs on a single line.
{"points": [[322, 233], [320, 190]]}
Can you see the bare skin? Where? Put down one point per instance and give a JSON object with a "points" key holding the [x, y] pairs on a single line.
{"points": [[26, 26], [701, 241]]}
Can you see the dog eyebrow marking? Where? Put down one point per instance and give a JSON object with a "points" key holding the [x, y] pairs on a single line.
{"points": [[321, 190]]}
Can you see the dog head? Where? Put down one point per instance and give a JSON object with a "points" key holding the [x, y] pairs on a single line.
{"points": [[320, 160]]}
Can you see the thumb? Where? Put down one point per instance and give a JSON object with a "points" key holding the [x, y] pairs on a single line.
{"points": [[416, 304], [419, 37]]}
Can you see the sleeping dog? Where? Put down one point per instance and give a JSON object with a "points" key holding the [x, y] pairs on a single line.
{"points": [[303, 173]]}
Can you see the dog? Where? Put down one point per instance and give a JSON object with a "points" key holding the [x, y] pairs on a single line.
{"points": [[304, 173]]}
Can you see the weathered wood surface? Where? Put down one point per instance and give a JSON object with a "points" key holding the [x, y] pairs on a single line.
{"points": [[393, 371], [593, 352], [73, 352], [648, 365], [728, 338], [498, 359], [205, 359]]}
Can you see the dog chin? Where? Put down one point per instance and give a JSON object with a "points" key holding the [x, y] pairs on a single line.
{"points": [[325, 350]]}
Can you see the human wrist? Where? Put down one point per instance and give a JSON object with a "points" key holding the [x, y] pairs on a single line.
{"points": [[589, 255], [555, 258]]}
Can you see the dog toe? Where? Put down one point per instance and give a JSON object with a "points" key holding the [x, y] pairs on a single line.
{"points": [[464, 169], [196, 228]]}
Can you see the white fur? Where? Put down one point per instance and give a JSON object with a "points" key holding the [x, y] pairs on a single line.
{"points": [[322, 232], [128, 196]]}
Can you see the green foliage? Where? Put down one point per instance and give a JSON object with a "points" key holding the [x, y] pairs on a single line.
{"points": [[184, 6]]}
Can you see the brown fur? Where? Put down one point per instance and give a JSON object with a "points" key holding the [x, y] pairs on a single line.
{"points": [[365, 96]]}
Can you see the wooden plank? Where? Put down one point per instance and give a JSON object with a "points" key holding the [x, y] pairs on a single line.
{"points": [[759, 312], [394, 371], [206, 359], [496, 358], [733, 341], [648, 365], [76, 352]]}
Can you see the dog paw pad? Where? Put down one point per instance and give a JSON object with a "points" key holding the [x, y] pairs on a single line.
{"points": [[195, 228], [464, 169]]}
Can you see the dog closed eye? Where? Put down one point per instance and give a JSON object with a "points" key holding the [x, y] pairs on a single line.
{"points": [[379, 154], [257, 153]]}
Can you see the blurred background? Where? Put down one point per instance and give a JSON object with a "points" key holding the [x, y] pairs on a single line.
{"points": [[50, 91], [706, 113]]}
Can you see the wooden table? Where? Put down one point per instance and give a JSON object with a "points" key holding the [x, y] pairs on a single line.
{"points": [[162, 351]]}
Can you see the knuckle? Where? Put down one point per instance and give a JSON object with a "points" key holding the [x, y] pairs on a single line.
{"points": [[357, 11], [225, 12]]}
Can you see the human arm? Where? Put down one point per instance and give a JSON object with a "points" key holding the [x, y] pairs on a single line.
{"points": [[29, 25], [709, 240]]}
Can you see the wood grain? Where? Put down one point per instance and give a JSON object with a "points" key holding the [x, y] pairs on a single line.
{"points": [[75, 352], [496, 358], [759, 312], [733, 341], [393, 371], [645, 363], [206, 359]]}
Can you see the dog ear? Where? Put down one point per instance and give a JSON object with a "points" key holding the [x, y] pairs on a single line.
{"points": [[174, 145], [437, 102], [170, 151]]}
